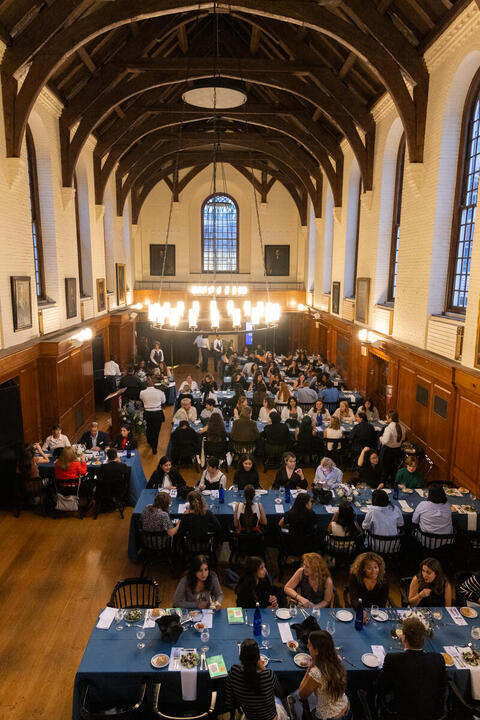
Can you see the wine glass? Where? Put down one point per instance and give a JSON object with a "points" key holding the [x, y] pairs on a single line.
{"points": [[374, 612], [235, 488], [293, 611], [119, 615], [316, 613], [185, 615], [265, 634], [331, 627], [140, 635], [205, 636], [475, 633]]}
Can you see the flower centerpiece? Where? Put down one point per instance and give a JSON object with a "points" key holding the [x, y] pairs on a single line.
{"points": [[133, 420], [344, 490], [423, 618]]}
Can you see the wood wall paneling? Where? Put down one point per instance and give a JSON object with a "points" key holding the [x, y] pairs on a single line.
{"points": [[466, 451], [29, 396]]}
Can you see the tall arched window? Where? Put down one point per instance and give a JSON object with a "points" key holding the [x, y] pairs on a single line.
{"points": [[35, 216], [79, 238], [220, 234], [463, 225], [397, 214]]}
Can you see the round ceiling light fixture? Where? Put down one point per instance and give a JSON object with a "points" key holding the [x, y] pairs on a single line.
{"points": [[215, 94]]}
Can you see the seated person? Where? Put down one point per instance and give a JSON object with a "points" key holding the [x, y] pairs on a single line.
{"points": [[328, 474], [267, 407], [311, 585], [253, 687], [185, 411], [185, 441], [189, 385], [430, 586], [244, 430], [383, 518], [319, 413], [344, 412], [304, 434], [56, 439], [344, 525], [255, 586], [333, 432], [212, 477], [240, 403], [283, 395], [249, 515], [330, 394], [198, 520], [239, 382], [435, 514], [292, 412], [370, 411], [68, 470], [289, 475], [132, 385], [208, 386], [246, 472], [125, 441], [214, 430], [370, 469], [329, 695], [95, 439], [166, 476], [409, 475], [469, 590], [367, 581], [156, 518], [363, 434], [276, 433], [306, 394], [422, 673], [113, 478], [210, 409], [200, 587], [29, 461], [301, 523]]}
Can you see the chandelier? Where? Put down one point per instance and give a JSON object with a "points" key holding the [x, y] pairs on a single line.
{"points": [[223, 306]]}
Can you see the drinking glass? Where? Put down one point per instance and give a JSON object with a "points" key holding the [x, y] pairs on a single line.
{"points": [[316, 613], [205, 636], [437, 614], [185, 615], [235, 488], [475, 633], [331, 627], [119, 615], [140, 635], [293, 611], [265, 634], [374, 612]]}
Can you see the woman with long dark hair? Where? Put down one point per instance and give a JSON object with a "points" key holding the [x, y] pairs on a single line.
{"points": [[326, 678], [249, 515], [199, 587], [430, 586], [343, 523], [252, 687], [289, 475], [255, 587], [214, 430], [292, 412], [391, 445], [246, 472], [301, 523], [166, 476]]}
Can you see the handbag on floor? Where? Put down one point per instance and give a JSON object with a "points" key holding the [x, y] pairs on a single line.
{"points": [[67, 503]]}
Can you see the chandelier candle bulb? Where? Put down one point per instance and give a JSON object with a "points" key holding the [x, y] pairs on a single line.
{"points": [[237, 317], [247, 308], [230, 307]]}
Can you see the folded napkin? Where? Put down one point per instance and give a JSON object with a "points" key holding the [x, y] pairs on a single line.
{"points": [[188, 677], [472, 521], [106, 618], [279, 509], [285, 632], [330, 508], [405, 506], [181, 508], [379, 652], [207, 618], [456, 616], [149, 622]]}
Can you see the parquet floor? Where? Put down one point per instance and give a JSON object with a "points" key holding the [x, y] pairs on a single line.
{"points": [[55, 575]]}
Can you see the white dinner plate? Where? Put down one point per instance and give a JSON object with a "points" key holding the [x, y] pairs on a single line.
{"points": [[265, 659], [302, 660], [283, 614], [344, 615], [380, 616], [159, 612], [206, 492], [469, 612], [160, 661], [370, 660]]}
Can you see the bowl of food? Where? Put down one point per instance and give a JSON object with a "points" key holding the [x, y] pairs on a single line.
{"points": [[160, 661], [292, 645], [133, 616], [471, 657], [189, 659], [448, 659], [469, 612], [278, 500], [199, 626], [302, 660], [157, 613]]}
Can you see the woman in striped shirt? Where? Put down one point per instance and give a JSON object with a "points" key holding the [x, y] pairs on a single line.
{"points": [[252, 687]]}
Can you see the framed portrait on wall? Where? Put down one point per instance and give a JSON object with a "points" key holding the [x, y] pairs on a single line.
{"points": [[335, 297], [277, 259], [101, 295], [71, 297], [362, 300], [160, 254], [121, 284], [21, 302]]}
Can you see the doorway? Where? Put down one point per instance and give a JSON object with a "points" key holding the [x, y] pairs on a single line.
{"points": [[377, 381]]}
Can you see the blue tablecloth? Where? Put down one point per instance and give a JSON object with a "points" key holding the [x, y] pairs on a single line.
{"points": [[138, 481], [224, 512], [116, 666]]}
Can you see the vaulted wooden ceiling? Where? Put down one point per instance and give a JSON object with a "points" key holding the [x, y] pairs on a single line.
{"points": [[312, 70]]}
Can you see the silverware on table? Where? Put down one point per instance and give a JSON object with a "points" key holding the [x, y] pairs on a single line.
{"points": [[348, 661]]}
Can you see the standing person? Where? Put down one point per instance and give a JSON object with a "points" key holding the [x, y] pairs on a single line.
{"points": [[111, 368], [391, 445], [217, 351], [132, 384], [198, 344], [152, 399], [205, 352], [422, 673], [156, 355]]}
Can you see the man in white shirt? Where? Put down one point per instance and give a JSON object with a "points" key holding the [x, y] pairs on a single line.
{"points": [[152, 399], [111, 369], [205, 352], [217, 351], [56, 439], [198, 344]]}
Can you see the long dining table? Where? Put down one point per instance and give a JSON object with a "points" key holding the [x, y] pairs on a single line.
{"points": [[274, 504], [114, 666]]}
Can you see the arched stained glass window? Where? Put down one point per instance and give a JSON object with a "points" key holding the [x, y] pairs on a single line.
{"points": [[397, 215], [219, 234], [465, 204]]}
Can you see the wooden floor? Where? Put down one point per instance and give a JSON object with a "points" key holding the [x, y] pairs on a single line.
{"points": [[55, 577]]}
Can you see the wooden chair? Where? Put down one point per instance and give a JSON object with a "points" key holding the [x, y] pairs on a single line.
{"points": [[155, 548], [244, 448], [341, 548], [245, 545], [272, 456], [199, 546], [33, 493], [218, 450], [388, 546], [120, 711], [336, 452], [135, 593], [181, 709], [362, 698], [306, 407], [112, 496]]}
